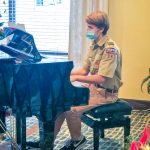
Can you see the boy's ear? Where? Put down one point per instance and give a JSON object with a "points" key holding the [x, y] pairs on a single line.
{"points": [[101, 30]]}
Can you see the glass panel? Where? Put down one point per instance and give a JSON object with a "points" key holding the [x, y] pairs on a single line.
{"points": [[46, 20]]}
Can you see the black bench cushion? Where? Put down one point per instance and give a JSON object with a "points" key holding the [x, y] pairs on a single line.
{"points": [[118, 108]]}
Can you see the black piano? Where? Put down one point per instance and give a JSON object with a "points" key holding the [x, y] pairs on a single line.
{"points": [[38, 86]]}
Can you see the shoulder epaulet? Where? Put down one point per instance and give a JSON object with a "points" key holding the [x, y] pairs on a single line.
{"points": [[110, 43]]}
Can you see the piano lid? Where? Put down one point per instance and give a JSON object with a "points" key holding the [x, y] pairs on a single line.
{"points": [[21, 45]]}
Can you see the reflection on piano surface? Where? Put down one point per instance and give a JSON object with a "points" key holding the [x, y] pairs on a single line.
{"points": [[41, 88], [21, 45]]}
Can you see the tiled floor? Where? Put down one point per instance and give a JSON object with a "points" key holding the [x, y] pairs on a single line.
{"points": [[112, 141]]}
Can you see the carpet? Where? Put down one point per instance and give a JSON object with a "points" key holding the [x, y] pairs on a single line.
{"points": [[113, 137]]}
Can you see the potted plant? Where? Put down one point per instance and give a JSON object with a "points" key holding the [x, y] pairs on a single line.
{"points": [[144, 141], [146, 80]]}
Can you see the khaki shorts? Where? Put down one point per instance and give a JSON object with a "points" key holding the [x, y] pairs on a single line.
{"points": [[98, 96]]}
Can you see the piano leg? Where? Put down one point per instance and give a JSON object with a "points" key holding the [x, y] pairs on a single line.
{"points": [[18, 127], [21, 129], [2, 118], [46, 134]]}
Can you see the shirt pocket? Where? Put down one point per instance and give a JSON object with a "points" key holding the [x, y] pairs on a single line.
{"points": [[95, 63]]}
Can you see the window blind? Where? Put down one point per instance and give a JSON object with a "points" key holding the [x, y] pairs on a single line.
{"points": [[46, 20]]}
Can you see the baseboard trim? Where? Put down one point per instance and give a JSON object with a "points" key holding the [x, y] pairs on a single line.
{"points": [[138, 104]]}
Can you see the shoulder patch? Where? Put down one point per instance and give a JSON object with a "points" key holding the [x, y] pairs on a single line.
{"points": [[111, 50]]}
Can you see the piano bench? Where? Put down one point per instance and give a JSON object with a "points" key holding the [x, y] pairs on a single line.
{"points": [[108, 116]]}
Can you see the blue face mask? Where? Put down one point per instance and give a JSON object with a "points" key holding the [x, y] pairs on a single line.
{"points": [[91, 36]]}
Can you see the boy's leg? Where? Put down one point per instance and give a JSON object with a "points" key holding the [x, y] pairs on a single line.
{"points": [[58, 123], [73, 119], [97, 98]]}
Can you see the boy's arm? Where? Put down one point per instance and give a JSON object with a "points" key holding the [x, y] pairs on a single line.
{"points": [[79, 71]]}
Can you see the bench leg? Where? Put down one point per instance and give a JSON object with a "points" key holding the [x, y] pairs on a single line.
{"points": [[126, 130], [96, 138]]}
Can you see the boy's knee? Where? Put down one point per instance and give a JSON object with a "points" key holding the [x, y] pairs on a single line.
{"points": [[72, 114]]}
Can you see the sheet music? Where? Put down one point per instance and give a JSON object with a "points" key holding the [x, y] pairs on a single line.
{"points": [[17, 26]]}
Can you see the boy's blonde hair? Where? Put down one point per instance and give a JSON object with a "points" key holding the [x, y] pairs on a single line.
{"points": [[99, 19]]}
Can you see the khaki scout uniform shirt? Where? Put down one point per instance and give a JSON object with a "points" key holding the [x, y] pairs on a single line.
{"points": [[104, 59]]}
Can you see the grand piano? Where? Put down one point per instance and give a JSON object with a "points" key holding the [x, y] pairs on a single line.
{"points": [[37, 86]]}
